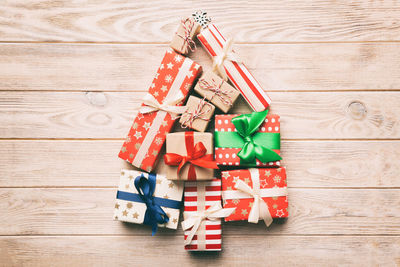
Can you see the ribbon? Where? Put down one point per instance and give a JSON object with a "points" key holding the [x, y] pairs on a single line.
{"points": [[226, 54], [196, 114], [196, 156], [212, 213], [186, 37], [154, 213], [151, 105], [216, 89], [253, 144]]}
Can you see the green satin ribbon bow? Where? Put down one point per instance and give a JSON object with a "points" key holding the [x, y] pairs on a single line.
{"points": [[253, 144]]}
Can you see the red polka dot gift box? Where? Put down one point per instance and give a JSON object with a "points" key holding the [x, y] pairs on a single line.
{"points": [[248, 140], [256, 193], [161, 106]]}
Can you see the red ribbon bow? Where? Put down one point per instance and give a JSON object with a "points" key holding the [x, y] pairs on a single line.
{"points": [[196, 156]]}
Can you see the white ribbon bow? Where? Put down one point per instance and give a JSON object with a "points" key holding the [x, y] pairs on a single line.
{"points": [[151, 105], [226, 54], [212, 213], [259, 208]]}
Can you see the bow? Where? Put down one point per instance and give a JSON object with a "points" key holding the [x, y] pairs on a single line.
{"points": [[154, 213], [259, 208], [196, 114], [195, 156], [226, 54], [216, 89], [212, 213], [186, 38], [246, 125], [151, 105]]}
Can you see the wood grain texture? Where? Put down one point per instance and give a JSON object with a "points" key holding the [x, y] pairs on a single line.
{"points": [[155, 21], [328, 164], [274, 250], [131, 67], [41, 211], [315, 115]]}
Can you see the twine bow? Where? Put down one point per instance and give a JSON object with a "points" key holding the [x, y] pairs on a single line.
{"points": [[212, 213], [186, 37], [198, 113], [151, 105], [226, 54], [216, 89]]}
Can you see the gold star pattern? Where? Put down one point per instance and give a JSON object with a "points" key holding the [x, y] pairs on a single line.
{"points": [[128, 139], [135, 215], [130, 177], [137, 146], [235, 179], [129, 205], [127, 186], [268, 173], [166, 196], [155, 152], [116, 217], [125, 213], [229, 188], [156, 94], [122, 173], [131, 156], [279, 170], [174, 220], [116, 206], [164, 123], [275, 198], [146, 125], [235, 201], [225, 175], [158, 181], [123, 149], [171, 185], [275, 206], [135, 125], [164, 88], [251, 204], [277, 179], [244, 212]]}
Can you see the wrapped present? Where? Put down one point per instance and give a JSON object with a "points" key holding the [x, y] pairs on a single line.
{"points": [[251, 140], [149, 199], [197, 115], [182, 41], [189, 156], [218, 91], [159, 110], [257, 194], [228, 65], [202, 215]]}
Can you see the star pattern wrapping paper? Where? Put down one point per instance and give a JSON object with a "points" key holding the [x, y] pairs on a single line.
{"points": [[145, 157], [133, 212], [227, 155], [269, 178]]}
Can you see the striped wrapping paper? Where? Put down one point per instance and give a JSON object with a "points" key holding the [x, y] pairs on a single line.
{"points": [[208, 236], [213, 41]]}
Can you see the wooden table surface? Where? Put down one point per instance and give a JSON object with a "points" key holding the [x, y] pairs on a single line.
{"points": [[73, 72]]}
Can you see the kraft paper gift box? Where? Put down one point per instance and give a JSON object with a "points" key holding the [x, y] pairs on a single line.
{"points": [[217, 91], [242, 189], [197, 114], [229, 66], [160, 107], [202, 215], [255, 143], [189, 156], [166, 195], [182, 41]]}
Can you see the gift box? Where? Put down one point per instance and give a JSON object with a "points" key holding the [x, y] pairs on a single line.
{"points": [[255, 193], [182, 41], [197, 114], [202, 215], [159, 110], [251, 140], [215, 89], [149, 199], [190, 156], [228, 65]]}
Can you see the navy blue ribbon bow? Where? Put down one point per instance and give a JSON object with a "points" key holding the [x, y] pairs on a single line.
{"points": [[154, 213]]}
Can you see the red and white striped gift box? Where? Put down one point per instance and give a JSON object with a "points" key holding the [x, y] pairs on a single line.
{"points": [[213, 41], [200, 196]]}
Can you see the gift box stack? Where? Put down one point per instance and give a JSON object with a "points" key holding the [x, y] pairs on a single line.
{"points": [[233, 173]]}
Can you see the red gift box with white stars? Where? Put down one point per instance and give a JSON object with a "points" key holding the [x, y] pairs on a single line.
{"points": [[269, 178], [228, 156], [175, 76]]}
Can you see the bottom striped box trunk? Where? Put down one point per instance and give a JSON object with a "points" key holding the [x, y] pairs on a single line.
{"points": [[199, 196]]}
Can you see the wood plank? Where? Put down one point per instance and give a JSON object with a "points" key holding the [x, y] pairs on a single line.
{"points": [[326, 115], [237, 251], [155, 21], [63, 211], [131, 67], [95, 163]]}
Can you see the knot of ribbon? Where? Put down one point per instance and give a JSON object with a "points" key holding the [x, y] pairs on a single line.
{"points": [[187, 25], [226, 54], [246, 125], [259, 208], [195, 156], [169, 106], [214, 212], [198, 113], [216, 89], [154, 213]]}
